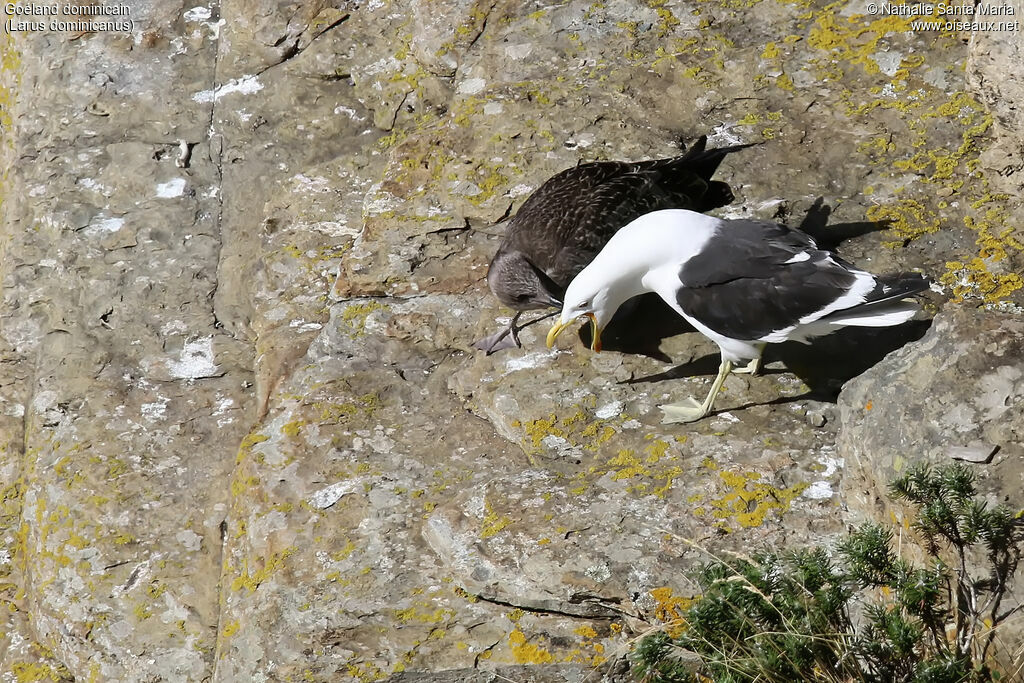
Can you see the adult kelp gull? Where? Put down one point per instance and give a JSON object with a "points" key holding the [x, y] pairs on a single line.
{"points": [[567, 220], [741, 283]]}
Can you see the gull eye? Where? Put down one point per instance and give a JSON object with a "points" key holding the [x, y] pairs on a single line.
{"points": [[585, 304]]}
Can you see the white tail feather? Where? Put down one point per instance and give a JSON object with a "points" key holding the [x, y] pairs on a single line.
{"points": [[892, 314], [887, 315]]}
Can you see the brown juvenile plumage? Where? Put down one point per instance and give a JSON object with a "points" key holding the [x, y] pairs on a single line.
{"points": [[568, 220]]}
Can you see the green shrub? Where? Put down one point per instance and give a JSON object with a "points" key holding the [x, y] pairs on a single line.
{"points": [[864, 615]]}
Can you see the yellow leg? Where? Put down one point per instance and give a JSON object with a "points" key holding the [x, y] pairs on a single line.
{"points": [[754, 366], [691, 411], [751, 368]]}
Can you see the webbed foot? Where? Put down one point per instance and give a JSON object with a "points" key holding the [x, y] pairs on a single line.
{"points": [[691, 411], [504, 339], [688, 410]]}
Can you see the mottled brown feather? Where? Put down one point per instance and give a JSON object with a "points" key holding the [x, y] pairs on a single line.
{"points": [[568, 220]]}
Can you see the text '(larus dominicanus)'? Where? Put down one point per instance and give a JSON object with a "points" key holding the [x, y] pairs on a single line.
{"points": [[741, 283], [567, 220]]}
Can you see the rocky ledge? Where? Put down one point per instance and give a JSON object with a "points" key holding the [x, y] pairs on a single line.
{"points": [[244, 433]]}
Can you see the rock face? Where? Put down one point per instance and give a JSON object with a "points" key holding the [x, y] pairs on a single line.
{"points": [[954, 395], [1000, 88], [1002, 91], [244, 434]]}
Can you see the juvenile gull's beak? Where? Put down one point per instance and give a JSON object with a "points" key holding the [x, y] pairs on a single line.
{"points": [[595, 333]]}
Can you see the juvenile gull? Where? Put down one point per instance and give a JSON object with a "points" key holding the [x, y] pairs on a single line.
{"points": [[568, 219], [741, 283]]}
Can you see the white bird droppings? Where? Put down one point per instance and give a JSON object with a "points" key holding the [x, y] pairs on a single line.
{"points": [[196, 360], [154, 411], [326, 497], [246, 85], [101, 226], [197, 14], [171, 189], [471, 86], [535, 359], [819, 490], [609, 410]]}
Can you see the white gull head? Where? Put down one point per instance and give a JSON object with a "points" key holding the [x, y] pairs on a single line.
{"points": [[648, 249]]}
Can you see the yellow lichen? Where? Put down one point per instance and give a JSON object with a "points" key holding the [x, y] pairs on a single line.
{"points": [[908, 219], [670, 475], [853, 39], [354, 316], [586, 631], [656, 450], [974, 279], [343, 554], [245, 448], [492, 523], [575, 430], [241, 484], [123, 539], [488, 179], [424, 613], [784, 82], [669, 607], [365, 672], [956, 170], [142, 612], [30, 672], [336, 412], [748, 500], [667, 21], [526, 652], [291, 429], [627, 464], [252, 580]]}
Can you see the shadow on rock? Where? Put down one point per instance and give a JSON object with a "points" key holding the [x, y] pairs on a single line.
{"points": [[639, 326], [831, 236], [824, 366], [778, 401], [815, 224], [828, 362], [705, 365]]}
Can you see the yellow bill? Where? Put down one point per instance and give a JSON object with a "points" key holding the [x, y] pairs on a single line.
{"points": [[595, 333]]}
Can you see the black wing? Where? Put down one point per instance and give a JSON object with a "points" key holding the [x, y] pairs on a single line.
{"points": [[754, 278]]}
